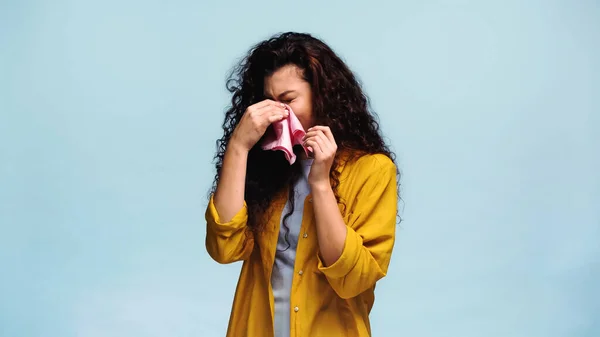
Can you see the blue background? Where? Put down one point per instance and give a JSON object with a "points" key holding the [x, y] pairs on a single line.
{"points": [[108, 115]]}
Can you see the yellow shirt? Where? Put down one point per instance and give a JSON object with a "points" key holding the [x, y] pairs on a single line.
{"points": [[325, 301]]}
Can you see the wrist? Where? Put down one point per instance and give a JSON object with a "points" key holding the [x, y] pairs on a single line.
{"points": [[320, 187], [237, 147]]}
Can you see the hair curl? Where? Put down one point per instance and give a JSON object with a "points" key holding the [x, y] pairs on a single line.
{"points": [[338, 102]]}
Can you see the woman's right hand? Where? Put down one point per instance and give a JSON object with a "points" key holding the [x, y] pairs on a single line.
{"points": [[255, 121]]}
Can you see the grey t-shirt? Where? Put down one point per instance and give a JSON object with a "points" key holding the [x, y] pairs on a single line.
{"points": [[283, 268]]}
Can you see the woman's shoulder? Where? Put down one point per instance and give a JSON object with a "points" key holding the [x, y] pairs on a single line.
{"points": [[369, 172], [366, 165]]}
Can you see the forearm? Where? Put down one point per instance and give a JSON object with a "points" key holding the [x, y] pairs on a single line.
{"points": [[331, 229], [229, 195]]}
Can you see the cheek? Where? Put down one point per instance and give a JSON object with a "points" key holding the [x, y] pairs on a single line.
{"points": [[302, 110], [304, 114]]}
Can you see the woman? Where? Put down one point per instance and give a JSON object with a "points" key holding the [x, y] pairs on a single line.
{"points": [[315, 236]]}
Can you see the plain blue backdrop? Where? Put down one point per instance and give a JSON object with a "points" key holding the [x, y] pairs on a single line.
{"points": [[108, 115]]}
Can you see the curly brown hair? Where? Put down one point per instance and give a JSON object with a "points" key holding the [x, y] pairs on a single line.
{"points": [[338, 102]]}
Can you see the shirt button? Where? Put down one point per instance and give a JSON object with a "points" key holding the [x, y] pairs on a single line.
{"points": [[296, 309], [300, 272], [305, 235]]}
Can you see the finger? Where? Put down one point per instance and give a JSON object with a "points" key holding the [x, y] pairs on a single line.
{"points": [[272, 110], [326, 130], [322, 141], [275, 118], [314, 148], [321, 146], [263, 104], [270, 104], [326, 143], [314, 133]]}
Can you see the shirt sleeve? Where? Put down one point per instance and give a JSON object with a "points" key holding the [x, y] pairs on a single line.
{"points": [[370, 235], [228, 242]]}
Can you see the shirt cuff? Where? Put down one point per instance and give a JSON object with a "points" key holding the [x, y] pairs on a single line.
{"points": [[347, 260], [238, 221]]}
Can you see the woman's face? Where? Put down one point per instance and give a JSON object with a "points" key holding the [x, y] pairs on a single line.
{"points": [[286, 85]]}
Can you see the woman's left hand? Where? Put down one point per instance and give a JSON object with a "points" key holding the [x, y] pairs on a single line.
{"points": [[320, 140]]}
